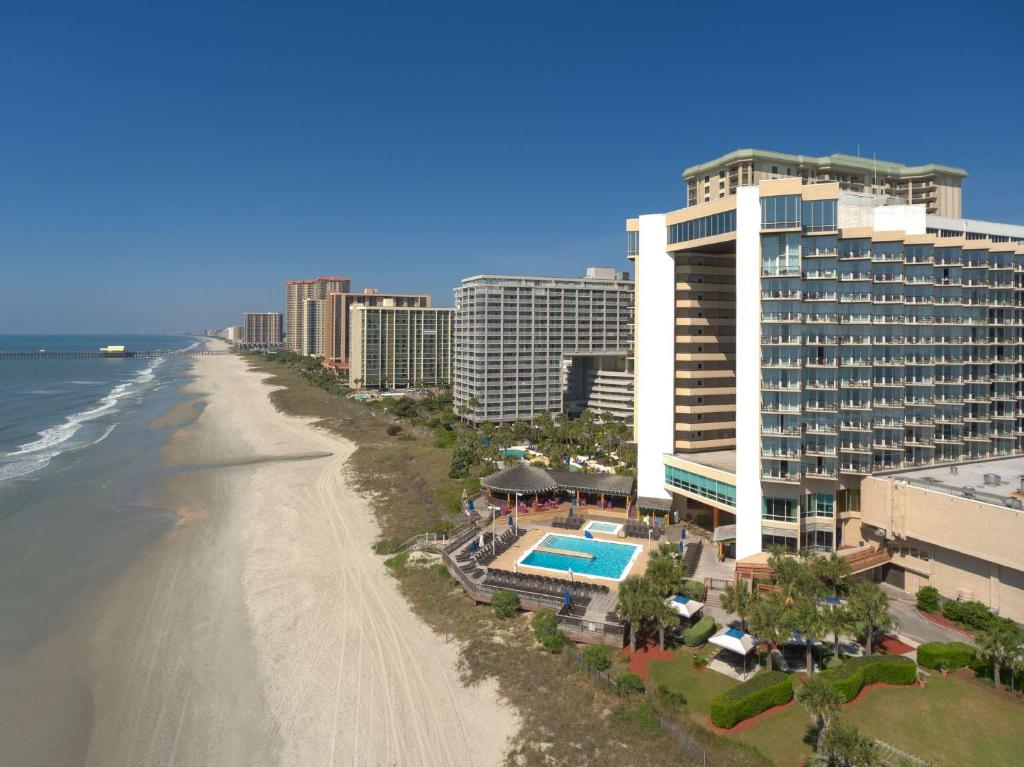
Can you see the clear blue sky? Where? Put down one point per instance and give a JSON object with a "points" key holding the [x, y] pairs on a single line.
{"points": [[169, 165]]}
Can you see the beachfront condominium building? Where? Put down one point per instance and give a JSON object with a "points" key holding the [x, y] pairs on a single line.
{"points": [[300, 337], [795, 337], [261, 328], [516, 339], [936, 187], [395, 347], [337, 308]]}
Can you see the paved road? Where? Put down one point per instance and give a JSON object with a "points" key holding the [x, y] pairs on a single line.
{"points": [[912, 625]]}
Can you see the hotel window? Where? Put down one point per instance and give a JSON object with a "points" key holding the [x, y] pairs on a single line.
{"points": [[780, 254], [632, 243], [818, 215], [779, 509], [769, 541], [780, 212], [712, 489], [818, 505]]}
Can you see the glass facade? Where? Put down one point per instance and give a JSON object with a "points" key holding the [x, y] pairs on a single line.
{"points": [[713, 489], [632, 244], [708, 226], [819, 215], [818, 505]]}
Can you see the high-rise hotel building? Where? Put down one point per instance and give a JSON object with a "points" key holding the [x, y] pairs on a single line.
{"points": [[304, 312], [338, 311], [395, 346], [523, 343], [261, 328], [795, 335]]}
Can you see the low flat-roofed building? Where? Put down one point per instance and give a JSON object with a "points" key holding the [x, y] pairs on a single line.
{"points": [[959, 528]]}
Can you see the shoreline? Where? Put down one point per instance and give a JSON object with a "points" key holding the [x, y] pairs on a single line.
{"points": [[262, 628]]}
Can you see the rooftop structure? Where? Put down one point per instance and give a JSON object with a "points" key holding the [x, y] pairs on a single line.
{"points": [[936, 187]]}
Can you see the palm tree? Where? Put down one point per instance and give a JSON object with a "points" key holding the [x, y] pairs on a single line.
{"points": [[768, 621], [664, 616], [831, 569], [999, 644], [804, 617], [665, 570], [845, 747], [737, 599], [869, 607], [836, 620], [822, 702], [637, 602]]}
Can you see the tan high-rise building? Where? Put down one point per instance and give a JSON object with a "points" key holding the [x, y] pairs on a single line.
{"points": [[261, 328], [395, 347], [337, 308], [299, 337], [937, 187]]}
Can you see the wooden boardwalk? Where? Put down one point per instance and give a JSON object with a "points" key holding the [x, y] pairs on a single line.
{"points": [[149, 353]]}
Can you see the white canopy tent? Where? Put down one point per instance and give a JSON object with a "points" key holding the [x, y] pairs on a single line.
{"points": [[685, 606], [735, 641]]}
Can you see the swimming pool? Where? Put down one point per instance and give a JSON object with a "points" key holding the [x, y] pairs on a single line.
{"points": [[512, 452], [609, 528], [601, 559]]}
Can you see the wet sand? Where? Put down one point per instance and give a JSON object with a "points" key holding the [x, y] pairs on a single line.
{"points": [[261, 629]]}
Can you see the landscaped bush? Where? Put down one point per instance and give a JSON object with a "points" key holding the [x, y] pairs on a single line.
{"points": [[928, 599], [699, 633], [545, 629], [393, 429], [628, 682], [505, 603], [669, 697], [598, 656], [948, 655], [974, 615], [766, 690], [693, 590], [857, 672]]}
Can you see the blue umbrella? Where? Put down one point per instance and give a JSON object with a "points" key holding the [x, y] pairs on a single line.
{"points": [[682, 533], [510, 522], [566, 596], [470, 506], [474, 546], [570, 508], [587, 534]]}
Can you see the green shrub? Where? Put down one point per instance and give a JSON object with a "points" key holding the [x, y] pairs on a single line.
{"points": [[928, 599], [598, 656], [693, 590], [974, 615], [850, 678], [393, 429], [637, 714], [669, 697], [699, 633], [398, 561], [948, 655], [766, 690], [505, 603], [545, 629], [628, 682]]}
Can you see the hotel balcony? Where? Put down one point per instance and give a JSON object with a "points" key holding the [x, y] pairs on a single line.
{"points": [[780, 476]]}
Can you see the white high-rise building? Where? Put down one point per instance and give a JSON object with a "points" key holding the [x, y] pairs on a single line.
{"points": [[516, 337]]}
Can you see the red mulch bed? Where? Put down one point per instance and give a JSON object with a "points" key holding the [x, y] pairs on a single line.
{"points": [[892, 646], [639, 661], [942, 620], [747, 723]]}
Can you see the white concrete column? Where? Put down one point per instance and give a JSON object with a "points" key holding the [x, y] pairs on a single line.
{"points": [[654, 355], [748, 371]]}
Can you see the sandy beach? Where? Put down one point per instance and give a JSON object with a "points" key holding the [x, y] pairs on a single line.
{"points": [[262, 629]]}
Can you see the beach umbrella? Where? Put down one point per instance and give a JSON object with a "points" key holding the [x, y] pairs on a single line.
{"points": [[511, 522], [470, 506], [570, 509], [566, 596], [474, 547], [587, 534]]}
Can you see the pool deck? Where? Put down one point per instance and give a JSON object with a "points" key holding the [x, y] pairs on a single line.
{"points": [[538, 531]]}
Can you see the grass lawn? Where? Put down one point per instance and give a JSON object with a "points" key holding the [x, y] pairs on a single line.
{"points": [[699, 687], [949, 722]]}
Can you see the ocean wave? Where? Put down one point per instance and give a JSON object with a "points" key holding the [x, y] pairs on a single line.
{"points": [[53, 441]]}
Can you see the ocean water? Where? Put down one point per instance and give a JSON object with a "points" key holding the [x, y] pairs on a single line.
{"points": [[55, 407], [79, 458]]}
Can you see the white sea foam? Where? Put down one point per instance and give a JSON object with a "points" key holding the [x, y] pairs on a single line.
{"points": [[55, 440]]}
